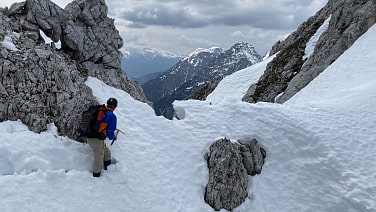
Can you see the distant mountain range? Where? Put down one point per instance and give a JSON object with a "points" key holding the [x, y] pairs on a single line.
{"points": [[194, 71], [146, 78], [138, 63]]}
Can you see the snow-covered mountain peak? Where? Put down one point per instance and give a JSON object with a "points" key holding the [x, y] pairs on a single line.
{"points": [[150, 53], [244, 50], [212, 50], [242, 45], [138, 63], [215, 51]]}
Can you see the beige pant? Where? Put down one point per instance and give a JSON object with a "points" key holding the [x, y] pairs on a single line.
{"points": [[101, 153]]}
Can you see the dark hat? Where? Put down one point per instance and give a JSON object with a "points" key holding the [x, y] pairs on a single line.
{"points": [[112, 101]]}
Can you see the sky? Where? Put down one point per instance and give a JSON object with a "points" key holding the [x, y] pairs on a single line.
{"points": [[182, 26]]}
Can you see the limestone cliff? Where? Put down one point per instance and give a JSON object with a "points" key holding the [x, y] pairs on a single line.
{"points": [[41, 84]]}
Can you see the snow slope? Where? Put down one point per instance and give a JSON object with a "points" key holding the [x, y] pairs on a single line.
{"points": [[236, 85], [320, 150]]}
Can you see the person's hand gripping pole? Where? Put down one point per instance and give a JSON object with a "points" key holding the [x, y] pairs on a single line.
{"points": [[116, 135]]}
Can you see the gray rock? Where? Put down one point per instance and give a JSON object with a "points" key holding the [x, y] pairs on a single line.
{"points": [[85, 31], [36, 94], [204, 92], [90, 35], [17, 8], [248, 97], [229, 165], [3, 91], [253, 156], [3, 53], [29, 39], [28, 26], [42, 53], [48, 16], [39, 84]]}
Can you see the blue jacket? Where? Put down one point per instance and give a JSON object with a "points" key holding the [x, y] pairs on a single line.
{"points": [[111, 120]]}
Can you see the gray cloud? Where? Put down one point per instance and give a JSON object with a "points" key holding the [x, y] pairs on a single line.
{"points": [[273, 14], [162, 15]]}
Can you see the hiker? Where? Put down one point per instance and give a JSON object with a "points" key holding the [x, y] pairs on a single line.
{"points": [[102, 154]]}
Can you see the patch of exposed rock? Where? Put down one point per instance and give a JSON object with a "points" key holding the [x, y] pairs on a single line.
{"points": [[85, 31], [204, 92], [230, 165], [41, 84], [288, 73], [90, 35]]}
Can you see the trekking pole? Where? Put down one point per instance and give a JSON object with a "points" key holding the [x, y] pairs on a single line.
{"points": [[120, 131], [116, 135]]}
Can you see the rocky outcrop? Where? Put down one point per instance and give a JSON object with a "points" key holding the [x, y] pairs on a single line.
{"points": [[204, 92], [48, 16], [41, 84], [85, 31], [113, 77], [229, 166], [289, 71], [33, 90], [91, 35]]}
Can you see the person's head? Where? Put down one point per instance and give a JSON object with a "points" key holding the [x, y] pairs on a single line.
{"points": [[112, 103]]}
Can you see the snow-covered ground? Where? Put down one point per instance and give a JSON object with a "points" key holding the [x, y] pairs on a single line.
{"points": [[321, 149]]}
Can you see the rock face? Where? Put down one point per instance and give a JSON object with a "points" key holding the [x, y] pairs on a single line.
{"points": [[229, 166], [85, 31], [91, 35], [48, 16], [40, 84], [289, 71]]}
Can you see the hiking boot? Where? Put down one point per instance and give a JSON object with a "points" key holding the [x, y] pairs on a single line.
{"points": [[106, 163], [96, 174]]}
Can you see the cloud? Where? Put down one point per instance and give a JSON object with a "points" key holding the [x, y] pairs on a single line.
{"points": [[205, 23], [194, 42], [164, 15], [280, 14], [238, 34]]}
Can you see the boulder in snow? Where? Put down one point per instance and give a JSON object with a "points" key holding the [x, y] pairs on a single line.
{"points": [[229, 166]]}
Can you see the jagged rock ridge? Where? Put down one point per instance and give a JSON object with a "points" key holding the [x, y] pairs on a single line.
{"points": [[41, 84], [289, 72]]}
